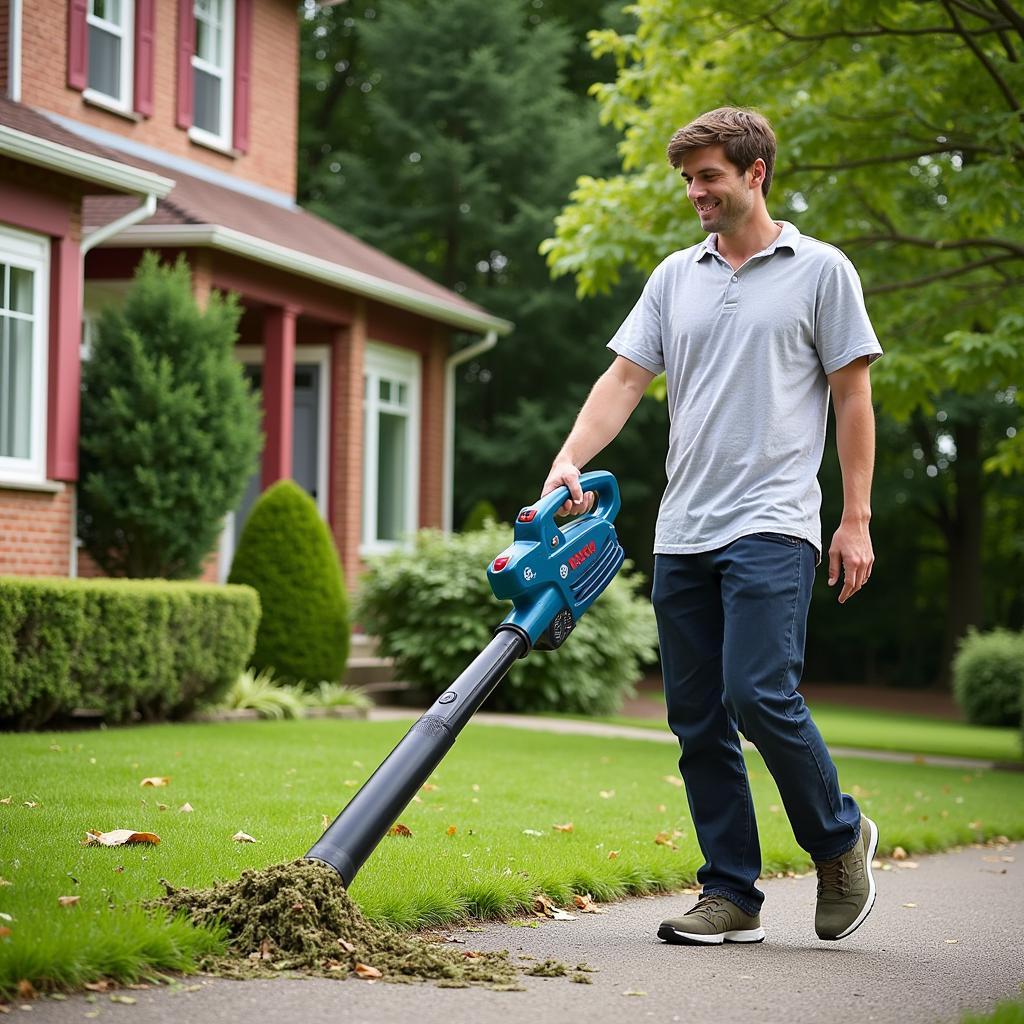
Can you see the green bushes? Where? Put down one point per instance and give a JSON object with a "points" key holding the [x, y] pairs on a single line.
{"points": [[434, 612], [286, 552], [127, 648], [988, 677]]}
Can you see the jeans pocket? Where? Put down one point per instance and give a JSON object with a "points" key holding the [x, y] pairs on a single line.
{"points": [[780, 538]]}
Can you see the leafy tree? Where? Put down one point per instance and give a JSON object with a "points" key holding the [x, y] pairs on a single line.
{"points": [[169, 429], [902, 141]]}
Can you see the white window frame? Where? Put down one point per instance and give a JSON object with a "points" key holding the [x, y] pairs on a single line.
{"points": [[31, 252], [405, 367], [126, 31], [318, 355], [226, 74]]}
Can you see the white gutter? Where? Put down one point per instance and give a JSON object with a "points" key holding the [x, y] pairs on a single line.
{"points": [[448, 472], [101, 234], [77, 164], [14, 52], [283, 258]]}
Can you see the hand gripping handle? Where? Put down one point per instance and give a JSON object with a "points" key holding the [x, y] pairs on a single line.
{"points": [[600, 481]]}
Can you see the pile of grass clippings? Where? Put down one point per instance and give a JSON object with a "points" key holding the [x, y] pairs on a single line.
{"points": [[297, 917]]}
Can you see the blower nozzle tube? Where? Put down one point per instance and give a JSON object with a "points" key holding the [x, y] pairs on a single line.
{"points": [[365, 820]]}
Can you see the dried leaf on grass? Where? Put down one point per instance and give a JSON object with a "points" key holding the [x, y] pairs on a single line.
{"points": [[118, 837], [544, 907], [365, 971], [68, 901], [665, 839], [398, 829], [7, 800], [26, 990], [243, 837], [5, 932], [613, 854], [156, 780], [567, 827], [185, 809], [451, 830], [673, 780]]}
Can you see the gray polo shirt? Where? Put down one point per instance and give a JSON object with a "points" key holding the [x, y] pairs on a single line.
{"points": [[745, 354]]}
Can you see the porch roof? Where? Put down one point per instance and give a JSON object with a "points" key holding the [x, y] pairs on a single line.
{"points": [[202, 213]]}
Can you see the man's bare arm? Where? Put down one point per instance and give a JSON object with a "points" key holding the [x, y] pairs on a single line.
{"points": [[855, 438], [612, 399]]}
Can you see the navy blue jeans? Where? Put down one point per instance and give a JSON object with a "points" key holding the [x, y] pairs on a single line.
{"points": [[732, 624]]}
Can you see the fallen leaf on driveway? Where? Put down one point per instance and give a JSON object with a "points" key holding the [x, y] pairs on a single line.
{"points": [[542, 905], [156, 780], [68, 901], [118, 837], [562, 915], [346, 945], [26, 990], [365, 971], [585, 904], [899, 853], [909, 904], [127, 1000], [97, 986], [243, 837]]}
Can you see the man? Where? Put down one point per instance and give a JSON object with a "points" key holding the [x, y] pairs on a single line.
{"points": [[753, 327]]}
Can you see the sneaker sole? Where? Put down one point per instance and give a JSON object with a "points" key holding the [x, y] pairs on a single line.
{"points": [[868, 858], [673, 935]]}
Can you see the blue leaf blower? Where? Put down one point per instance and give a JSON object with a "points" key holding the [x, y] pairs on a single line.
{"points": [[552, 574]]}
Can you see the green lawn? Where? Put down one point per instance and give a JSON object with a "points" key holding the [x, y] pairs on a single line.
{"points": [[502, 790], [883, 730]]}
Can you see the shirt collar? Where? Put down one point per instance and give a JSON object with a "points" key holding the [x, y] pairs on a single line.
{"points": [[789, 238]]}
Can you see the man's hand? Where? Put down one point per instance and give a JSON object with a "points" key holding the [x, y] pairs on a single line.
{"points": [[851, 551], [564, 473]]}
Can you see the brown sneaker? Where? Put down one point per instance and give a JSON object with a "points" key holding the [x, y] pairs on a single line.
{"points": [[846, 887], [712, 920]]}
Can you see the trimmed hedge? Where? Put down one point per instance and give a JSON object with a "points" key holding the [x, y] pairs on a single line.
{"points": [[287, 553], [434, 611], [988, 677], [128, 648]]}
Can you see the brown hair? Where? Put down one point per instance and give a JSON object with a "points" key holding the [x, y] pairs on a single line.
{"points": [[745, 134]]}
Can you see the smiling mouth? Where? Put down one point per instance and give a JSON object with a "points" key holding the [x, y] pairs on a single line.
{"points": [[707, 207]]}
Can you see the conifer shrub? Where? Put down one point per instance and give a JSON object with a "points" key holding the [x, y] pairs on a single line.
{"points": [[127, 649], [988, 677], [169, 427], [287, 554], [433, 611]]}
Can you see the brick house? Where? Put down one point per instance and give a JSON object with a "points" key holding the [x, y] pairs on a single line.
{"points": [[172, 125]]}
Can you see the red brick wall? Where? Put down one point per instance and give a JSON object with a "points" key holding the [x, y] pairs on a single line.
{"points": [[273, 125], [35, 532], [5, 38]]}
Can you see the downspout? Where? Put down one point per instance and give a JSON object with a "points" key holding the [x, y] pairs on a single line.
{"points": [[457, 359], [132, 217], [94, 238]]}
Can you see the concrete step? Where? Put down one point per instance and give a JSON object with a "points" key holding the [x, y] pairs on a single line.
{"points": [[363, 670]]}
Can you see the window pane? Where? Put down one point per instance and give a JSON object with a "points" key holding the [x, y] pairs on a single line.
{"points": [[15, 388], [104, 62], [391, 475], [21, 290], [402, 392], [385, 391], [207, 102], [110, 10]]}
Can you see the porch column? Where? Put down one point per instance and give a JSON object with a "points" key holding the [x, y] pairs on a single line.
{"points": [[346, 515], [278, 392], [64, 359]]}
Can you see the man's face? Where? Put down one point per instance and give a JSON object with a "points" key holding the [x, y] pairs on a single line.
{"points": [[721, 194]]}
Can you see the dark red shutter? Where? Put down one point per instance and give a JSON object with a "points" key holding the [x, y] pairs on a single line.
{"points": [[145, 31], [186, 47], [243, 67], [78, 44]]}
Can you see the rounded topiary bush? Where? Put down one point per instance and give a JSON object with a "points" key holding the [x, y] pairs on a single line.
{"points": [[482, 513], [287, 553], [988, 677], [433, 610]]}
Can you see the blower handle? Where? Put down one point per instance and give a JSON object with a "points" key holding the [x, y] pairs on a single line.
{"points": [[600, 481]]}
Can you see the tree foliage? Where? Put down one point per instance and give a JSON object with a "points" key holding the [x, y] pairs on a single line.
{"points": [[169, 429], [901, 140]]}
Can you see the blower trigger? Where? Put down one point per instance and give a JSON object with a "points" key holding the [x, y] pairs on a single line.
{"points": [[558, 629]]}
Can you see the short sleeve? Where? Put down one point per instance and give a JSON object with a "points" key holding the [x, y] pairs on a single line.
{"points": [[842, 330], [639, 339]]}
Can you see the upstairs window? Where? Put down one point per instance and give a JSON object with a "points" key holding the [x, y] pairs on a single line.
{"points": [[212, 71], [111, 33]]}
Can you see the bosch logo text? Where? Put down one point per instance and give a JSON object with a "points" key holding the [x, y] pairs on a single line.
{"points": [[582, 555]]}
